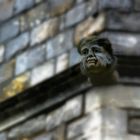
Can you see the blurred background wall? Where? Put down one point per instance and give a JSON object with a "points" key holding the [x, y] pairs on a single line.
{"points": [[38, 37], [38, 41]]}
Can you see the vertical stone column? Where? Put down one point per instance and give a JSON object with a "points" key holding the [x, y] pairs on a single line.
{"points": [[114, 123]]}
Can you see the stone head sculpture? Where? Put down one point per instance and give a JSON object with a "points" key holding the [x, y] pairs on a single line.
{"points": [[98, 62]]}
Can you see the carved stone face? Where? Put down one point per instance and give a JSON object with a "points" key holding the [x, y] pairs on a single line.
{"points": [[95, 59]]}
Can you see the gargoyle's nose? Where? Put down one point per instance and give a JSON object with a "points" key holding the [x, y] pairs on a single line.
{"points": [[90, 56]]}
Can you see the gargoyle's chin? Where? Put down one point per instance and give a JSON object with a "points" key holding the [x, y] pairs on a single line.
{"points": [[93, 68], [91, 65]]}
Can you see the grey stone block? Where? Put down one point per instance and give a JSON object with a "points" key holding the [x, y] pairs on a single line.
{"points": [[58, 7], [74, 57], [36, 15], [30, 128], [125, 5], [44, 137], [6, 71], [75, 15], [137, 5], [44, 31], [79, 1], [124, 43], [24, 25], [88, 127], [42, 72], [59, 44], [16, 45], [132, 137], [69, 111], [2, 50], [118, 96], [38, 1], [91, 7], [9, 30], [57, 134], [114, 122], [30, 59], [93, 101], [3, 136], [134, 125], [21, 5], [62, 63], [76, 129], [89, 26], [124, 22], [6, 9]]}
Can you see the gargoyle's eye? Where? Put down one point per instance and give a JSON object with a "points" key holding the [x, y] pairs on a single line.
{"points": [[84, 51], [96, 50]]}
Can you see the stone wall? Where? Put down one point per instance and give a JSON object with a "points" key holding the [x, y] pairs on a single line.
{"points": [[38, 37], [108, 113], [37, 42]]}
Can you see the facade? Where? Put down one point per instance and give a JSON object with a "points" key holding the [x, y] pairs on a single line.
{"points": [[43, 95]]}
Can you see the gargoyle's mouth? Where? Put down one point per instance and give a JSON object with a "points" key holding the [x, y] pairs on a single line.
{"points": [[91, 61]]}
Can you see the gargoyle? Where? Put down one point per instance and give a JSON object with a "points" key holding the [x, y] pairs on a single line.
{"points": [[98, 62]]}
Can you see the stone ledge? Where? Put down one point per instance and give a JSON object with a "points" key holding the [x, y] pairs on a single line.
{"points": [[47, 98], [116, 96]]}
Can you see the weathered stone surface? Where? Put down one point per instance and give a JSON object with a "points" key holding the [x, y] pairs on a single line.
{"points": [[21, 5], [91, 7], [16, 45], [93, 101], [2, 50], [59, 44], [101, 123], [30, 59], [42, 72], [124, 43], [9, 30], [23, 23], [69, 111], [125, 5], [137, 5], [120, 21], [3, 136], [36, 15], [30, 128], [38, 1], [6, 9], [133, 113], [76, 128], [16, 86], [62, 23], [79, 1], [114, 122], [57, 134], [75, 15], [134, 125], [86, 128], [57, 7], [44, 136], [132, 137], [6, 71], [62, 63], [44, 31], [89, 26], [118, 96], [74, 57]]}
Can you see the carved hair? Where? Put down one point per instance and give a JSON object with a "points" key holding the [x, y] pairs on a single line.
{"points": [[104, 42]]}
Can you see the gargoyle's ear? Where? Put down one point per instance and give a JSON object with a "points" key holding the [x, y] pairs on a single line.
{"points": [[106, 44]]}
